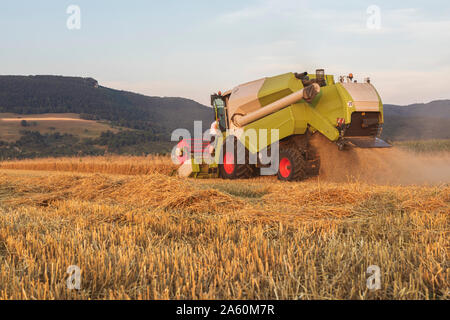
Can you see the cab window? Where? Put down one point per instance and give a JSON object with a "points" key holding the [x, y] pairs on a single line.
{"points": [[219, 106]]}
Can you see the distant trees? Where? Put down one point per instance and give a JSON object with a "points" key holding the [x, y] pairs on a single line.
{"points": [[87, 116], [33, 144], [25, 123]]}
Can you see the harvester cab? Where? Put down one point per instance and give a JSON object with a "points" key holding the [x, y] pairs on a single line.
{"points": [[296, 106], [218, 103]]}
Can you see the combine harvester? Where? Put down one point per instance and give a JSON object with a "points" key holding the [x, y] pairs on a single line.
{"points": [[348, 113]]}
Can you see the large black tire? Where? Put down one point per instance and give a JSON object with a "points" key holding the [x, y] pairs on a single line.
{"points": [[292, 164], [310, 154], [229, 169]]}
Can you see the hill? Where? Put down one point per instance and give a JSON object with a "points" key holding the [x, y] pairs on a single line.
{"points": [[84, 96], [151, 119], [417, 121]]}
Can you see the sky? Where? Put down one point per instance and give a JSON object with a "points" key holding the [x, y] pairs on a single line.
{"points": [[194, 48]]}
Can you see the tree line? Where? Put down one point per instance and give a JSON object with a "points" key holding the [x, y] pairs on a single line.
{"points": [[33, 144]]}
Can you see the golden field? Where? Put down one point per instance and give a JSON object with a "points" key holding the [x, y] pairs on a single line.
{"points": [[139, 232], [69, 123]]}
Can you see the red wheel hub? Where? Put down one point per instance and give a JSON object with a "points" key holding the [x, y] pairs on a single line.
{"points": [[228, 162], [184, 146], [285, 167]]}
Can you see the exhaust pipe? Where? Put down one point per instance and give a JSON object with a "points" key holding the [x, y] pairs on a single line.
{"points": [[308, 93]]}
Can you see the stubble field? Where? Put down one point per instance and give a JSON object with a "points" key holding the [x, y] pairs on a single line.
{"points": [[136, 231]]}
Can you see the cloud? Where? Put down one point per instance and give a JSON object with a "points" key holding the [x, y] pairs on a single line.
{"points": [[246, 13], [263, 9]]}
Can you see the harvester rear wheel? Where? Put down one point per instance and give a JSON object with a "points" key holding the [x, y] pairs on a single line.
{"points": [[292, 165], [229, 169]]}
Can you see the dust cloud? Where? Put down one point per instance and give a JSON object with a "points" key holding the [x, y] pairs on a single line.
{"points": [[391, 166]]}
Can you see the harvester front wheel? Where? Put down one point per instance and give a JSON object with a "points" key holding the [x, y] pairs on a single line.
{"points": [[229, 169], [292, 165]]}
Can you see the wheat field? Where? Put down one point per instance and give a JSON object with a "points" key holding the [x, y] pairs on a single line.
{"points": [[137, 231]]}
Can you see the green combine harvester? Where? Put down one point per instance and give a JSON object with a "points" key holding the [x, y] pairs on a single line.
{"points": [[295, 107]]}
